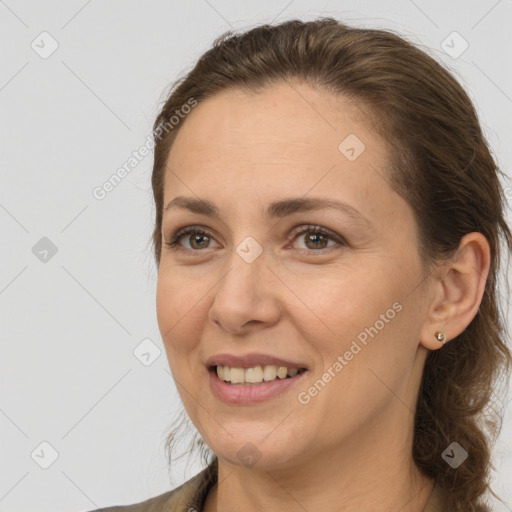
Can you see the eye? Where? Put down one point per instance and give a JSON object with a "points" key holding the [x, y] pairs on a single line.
{"points": [[317, 238], [196, 236], [199, 239]]}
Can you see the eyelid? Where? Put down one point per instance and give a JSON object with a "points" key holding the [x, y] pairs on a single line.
{"points": [[301, 229], [305, 228], [173, 242]]}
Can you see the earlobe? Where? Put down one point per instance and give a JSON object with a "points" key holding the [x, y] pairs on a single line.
{"points": [[459, 291], [440, 336], [434, 340]]}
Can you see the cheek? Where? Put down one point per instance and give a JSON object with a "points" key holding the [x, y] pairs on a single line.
{"points": [[167, 307], [345, 300], [361, 314], [178, 305]]}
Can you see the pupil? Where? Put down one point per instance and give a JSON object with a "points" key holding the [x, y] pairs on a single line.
{"points": [[316, 237], [198, 237]]}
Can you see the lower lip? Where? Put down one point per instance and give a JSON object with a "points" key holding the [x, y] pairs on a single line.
{"points": [[250, 393]]}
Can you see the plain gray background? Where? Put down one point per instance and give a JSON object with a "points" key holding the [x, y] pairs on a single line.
{"points": [[72, 323]]}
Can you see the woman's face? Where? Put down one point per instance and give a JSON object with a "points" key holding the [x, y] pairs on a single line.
{"points": [[347, 306]]}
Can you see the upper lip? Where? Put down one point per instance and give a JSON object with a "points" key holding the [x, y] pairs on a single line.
{"points": [[250, 360]]}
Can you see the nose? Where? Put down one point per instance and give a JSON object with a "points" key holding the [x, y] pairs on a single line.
{"points": [[246, 297]]}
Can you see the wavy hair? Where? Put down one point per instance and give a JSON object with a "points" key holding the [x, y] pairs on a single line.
{"points": [[440, 164]]}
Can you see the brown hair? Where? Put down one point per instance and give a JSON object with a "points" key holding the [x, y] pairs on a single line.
{"points": [[440, 164]]}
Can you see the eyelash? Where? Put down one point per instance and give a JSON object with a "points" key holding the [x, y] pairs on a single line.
{"points": [[172, 243]]}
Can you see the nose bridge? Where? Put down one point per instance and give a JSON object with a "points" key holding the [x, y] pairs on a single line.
{"points": [[243, 273], [241, 296]]}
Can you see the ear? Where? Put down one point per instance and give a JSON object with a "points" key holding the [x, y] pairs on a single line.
{"points": [[458, 291]]}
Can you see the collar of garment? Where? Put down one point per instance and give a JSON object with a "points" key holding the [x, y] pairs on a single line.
{"points": [[191, 496]]}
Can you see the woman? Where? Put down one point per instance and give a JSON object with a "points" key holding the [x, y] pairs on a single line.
{"points": [[328, 226]]}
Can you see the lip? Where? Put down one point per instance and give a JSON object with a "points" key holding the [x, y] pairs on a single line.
{"points": [[251, 360], [247, 394]]}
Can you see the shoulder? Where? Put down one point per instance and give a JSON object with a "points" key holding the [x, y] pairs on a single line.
{"points": [[188, 497], [153, 504], [438, 501]]}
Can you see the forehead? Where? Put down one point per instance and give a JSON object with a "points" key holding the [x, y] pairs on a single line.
{"points": [[285, 138], [293, 117]]}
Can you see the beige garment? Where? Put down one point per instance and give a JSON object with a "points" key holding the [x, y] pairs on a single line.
{"points": [[190, 497]]}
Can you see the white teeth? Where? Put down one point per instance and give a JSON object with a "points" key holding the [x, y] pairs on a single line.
{"points": [[281, 372], [254, 375], [237, 375], [270, 372]]}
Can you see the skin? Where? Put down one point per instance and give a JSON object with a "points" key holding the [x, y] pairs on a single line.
{"points": [[306, 300]]}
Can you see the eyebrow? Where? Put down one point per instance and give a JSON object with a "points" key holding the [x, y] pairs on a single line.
{"points": [[277, 209]]}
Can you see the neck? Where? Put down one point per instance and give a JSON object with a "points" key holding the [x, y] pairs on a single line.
{"points": [[373, 472]]}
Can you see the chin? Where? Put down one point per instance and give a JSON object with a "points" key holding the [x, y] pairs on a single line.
{"points": [[259, 451]]}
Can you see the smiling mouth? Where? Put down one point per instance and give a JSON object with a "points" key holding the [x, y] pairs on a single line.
{"points": [[256, 375]]}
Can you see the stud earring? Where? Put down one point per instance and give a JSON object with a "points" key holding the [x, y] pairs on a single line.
{"points": [[440, 336]]}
